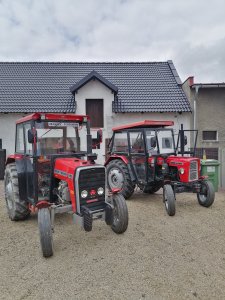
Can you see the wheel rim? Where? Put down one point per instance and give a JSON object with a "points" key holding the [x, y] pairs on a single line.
{"points": [[203, 197], [115, 178], [9, 194]]}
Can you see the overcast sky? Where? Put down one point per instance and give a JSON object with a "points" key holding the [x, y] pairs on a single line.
{"points": [[189, 32]]}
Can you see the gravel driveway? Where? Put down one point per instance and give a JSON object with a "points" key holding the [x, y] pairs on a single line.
{"points": [[159, 257]]}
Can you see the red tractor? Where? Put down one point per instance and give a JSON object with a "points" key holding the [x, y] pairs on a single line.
{"points": [[144, 154], [53, 171]]}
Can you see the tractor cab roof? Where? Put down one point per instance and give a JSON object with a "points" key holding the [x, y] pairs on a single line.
{"points": [[54, 117], [144, 124]]}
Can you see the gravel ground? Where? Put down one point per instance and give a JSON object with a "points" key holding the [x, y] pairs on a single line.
{"points": [[158, 257]]}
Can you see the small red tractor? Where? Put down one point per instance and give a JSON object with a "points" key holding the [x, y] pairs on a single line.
{"points": [[144, 154], [53, 171]]}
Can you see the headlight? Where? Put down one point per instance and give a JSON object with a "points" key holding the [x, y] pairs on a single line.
{"points": [[100, 191], [181, 170], [84, 194]]}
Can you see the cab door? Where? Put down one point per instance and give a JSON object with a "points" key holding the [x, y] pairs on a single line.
{"points": [[137, 155]]}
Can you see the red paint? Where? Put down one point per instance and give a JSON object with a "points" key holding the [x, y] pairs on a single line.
{"points": [[92, 192], [115, 156], [43, 204], [68, 166], [183, 162], [53, 117], [145, 123], [13, 157], [92, 200]]}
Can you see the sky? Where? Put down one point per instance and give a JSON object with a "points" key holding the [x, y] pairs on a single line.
{"points": [[190, 32]]}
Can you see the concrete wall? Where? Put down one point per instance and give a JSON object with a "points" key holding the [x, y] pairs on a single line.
{"points": [[8, 130]]}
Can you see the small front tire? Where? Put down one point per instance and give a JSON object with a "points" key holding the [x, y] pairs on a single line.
{"points": [[207, 195], [120, 214], [169, 199], [45, 231]]}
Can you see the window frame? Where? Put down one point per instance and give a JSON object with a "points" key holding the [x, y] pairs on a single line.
{"points": [[209, 140]]}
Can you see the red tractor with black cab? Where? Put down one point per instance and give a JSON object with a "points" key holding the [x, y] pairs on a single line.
{"points": [[145, 154], [53, 171]]}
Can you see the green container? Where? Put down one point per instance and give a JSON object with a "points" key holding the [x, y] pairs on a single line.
{"points": [[210, 168]]}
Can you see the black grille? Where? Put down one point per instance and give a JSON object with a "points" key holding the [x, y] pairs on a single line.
{"points": [[193, 175], [90, 179]]}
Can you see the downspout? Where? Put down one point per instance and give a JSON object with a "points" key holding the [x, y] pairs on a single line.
{"points": [[195, 106]]}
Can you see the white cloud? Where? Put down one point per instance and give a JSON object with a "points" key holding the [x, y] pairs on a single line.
{"points": [[192, 33]]}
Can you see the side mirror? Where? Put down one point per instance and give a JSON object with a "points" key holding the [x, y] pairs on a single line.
{"points": [[99, 136], [185, 140], [31, 136], [153, 142]]}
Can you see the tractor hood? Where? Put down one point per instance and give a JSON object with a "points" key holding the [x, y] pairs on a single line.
{"points": [[66, 167], [180, 160]]}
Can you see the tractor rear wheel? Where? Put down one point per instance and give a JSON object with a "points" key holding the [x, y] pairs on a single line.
{"points": [[45, 231], [118, 177], [17, 208], [207, 195], [169, 199], [120, 214]]}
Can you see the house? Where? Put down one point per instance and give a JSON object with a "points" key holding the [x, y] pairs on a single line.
{"points": [[208, 105], [111, 93]]}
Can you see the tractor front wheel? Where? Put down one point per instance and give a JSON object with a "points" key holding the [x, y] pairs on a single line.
{"points": [[118, 177], [207, 195], [17, 208], [45, 231], [169, 199], [120, 214]]}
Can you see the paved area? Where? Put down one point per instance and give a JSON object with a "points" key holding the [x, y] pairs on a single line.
{"points": [[159, 257]]}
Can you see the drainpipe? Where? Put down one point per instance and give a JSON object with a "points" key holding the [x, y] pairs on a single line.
{"points": [[195, 109]]}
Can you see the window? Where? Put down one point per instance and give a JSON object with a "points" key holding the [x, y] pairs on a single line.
{"points": [[19, 139], [120, 142], [210, 135], [94, 109], [28, 145], [137, 142]]}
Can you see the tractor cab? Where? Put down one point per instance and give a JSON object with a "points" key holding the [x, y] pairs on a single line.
{"points": [[142, 146]]}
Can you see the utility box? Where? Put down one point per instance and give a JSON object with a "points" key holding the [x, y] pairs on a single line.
{"points": [[2, 163], [210, 168]]}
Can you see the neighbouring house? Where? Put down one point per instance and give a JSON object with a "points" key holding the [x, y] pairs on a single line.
{"points": [[208, 117], [111, 93]]}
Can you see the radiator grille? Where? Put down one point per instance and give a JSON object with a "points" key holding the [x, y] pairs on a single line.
{"points": [[193, 175], [90, 179]]}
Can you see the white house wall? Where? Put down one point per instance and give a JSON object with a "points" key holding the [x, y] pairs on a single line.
{"points": [[8, 131]]}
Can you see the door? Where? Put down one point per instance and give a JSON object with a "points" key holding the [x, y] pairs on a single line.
{"points": [[138, 155]]}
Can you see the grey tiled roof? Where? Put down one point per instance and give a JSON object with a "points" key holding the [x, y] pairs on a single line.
{"points": [[45, 87]]}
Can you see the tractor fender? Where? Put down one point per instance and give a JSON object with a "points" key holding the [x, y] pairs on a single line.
{"points": [[12, 158], [115, 156]]}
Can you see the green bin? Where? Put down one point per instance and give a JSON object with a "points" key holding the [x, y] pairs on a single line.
{"points": [[210, 167]]}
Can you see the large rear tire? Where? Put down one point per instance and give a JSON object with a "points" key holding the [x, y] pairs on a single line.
{"points": [[45, 231], [169, 199], [120, 214], [207, 195], [17, 208], [118, 177]]}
